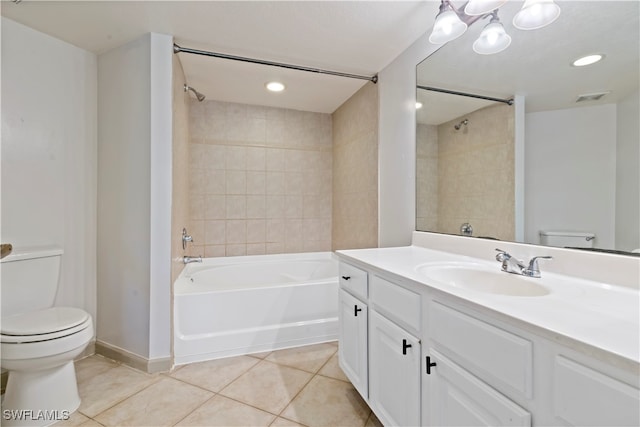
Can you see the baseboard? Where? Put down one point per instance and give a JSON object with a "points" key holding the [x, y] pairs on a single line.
{"points": [[133, 360]]}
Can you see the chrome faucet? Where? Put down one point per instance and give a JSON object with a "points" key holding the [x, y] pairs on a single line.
{"points": [[516, 266], [189, 259]]}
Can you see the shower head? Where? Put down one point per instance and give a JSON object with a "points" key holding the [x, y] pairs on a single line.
{"points": [[459, 125], [195, 92]]}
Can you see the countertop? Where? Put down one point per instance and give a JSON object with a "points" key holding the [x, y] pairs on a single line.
{"points": [[599, 315]]}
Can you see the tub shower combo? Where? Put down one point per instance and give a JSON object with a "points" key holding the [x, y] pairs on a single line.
{"points": [[240, 305]]}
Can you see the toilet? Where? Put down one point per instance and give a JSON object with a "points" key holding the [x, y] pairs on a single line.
{"points": [[38, 341], [567, 239]]}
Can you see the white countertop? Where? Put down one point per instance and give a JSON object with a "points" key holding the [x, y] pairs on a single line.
{"points": [[603, 316]]}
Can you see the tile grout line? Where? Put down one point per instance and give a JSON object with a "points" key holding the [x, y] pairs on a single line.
{"points": [[196, 408]]}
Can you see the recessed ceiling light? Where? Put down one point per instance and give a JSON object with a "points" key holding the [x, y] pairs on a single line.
{"points": [[418, 105], [274, 86], [588, 60]]}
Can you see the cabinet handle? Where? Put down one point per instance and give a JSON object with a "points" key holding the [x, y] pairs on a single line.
{"points": [[346, 277], [405, 346], [356, 310], [430, 365]]}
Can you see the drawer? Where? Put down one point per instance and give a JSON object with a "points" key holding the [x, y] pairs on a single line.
{"points": [[396, 303], [584, 396], [353, 279], [500, 358]]}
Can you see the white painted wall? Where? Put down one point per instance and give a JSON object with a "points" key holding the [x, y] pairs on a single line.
{"points": [[628, 174], [397, 145], [570, 172], [134, 196], [49, 97]]}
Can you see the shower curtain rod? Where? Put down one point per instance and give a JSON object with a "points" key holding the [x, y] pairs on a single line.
{"points": [[178, 49], [470, 95]]}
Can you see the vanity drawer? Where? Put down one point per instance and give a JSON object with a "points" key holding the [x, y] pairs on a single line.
{"points": [[353, 279], [501, 358], [396, 303]]}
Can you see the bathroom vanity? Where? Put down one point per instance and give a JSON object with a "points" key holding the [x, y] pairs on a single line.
{"points": [[431, 337]]}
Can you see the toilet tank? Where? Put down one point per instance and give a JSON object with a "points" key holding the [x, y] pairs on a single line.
{"points": [[567, 239], [29, 279]]}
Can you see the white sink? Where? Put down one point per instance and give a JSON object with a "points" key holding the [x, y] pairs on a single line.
{"points": [[479, 278]]}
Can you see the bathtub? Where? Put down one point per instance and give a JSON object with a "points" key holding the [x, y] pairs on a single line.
{"points": [[240, 305]]}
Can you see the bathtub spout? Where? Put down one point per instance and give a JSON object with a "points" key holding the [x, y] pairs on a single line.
{"points": [[189, 259]]}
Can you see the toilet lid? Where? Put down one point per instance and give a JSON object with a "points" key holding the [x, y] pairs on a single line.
{"points": [[43, 322]]}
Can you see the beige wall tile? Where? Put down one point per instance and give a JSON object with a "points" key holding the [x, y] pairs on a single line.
{"points": [[354, 178], [258, 163]]}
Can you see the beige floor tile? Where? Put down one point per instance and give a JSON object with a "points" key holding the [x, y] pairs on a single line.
{"points": [[91, 423], [332, 369], [309, 358], [221, 411], [161, 404], [74, 420], [283, 422], [92, 366], [328, 402], [110, 387], [214, 375], [260, 355], [373, 421], [267, 386]]}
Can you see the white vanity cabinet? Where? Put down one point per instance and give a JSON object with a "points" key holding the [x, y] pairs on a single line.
{"points": [[379, 345], [353, 341], [353, 319], [421, 355], [470, 368]]}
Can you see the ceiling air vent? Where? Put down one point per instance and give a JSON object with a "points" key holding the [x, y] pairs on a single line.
{"points": [[591, 96]]}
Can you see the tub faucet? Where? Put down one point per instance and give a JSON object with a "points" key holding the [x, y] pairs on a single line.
{"points": [[189, 259], [516, 266]]}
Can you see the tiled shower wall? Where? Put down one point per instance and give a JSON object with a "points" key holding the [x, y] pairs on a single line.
{"points": [[180, 166], [260, 180], [475, 174], [355, 171]]}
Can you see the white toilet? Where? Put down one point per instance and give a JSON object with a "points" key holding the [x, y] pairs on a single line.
{"points": [[38, 341], [567, 239]]}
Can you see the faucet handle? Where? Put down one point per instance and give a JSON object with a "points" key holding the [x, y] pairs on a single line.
{"points": [[502, 256], [533, 270]]}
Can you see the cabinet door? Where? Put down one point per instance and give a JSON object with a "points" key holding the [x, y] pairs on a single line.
{"points": [[457, 398], [394, 374], [352, 349]]}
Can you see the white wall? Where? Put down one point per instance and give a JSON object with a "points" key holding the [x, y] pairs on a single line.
{"points": [[134, 193], [628, 174], [397, 145], [570, 172], [49, 154]]}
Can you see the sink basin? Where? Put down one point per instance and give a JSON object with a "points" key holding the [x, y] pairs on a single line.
{"points": [[483, 279]]}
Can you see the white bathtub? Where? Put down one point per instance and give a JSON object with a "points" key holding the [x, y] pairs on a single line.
{"points": [[240, 305]]}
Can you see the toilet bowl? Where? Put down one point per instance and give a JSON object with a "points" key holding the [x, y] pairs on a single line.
{"points": [[38, 346]]}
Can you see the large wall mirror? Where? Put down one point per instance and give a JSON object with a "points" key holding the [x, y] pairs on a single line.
{"points": [[564, 157]]}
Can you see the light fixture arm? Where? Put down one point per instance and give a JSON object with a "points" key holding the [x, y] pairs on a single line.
{"points": [[467, 19]]}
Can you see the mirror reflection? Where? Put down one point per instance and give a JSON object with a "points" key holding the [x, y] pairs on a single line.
{"points": [[560, 166]]}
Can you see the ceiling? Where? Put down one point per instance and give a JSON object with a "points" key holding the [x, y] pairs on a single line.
{"points": [[537, 64], [357, 37]]}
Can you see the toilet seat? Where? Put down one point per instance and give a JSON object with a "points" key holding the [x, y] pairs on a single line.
{"points": [[44, 325]]}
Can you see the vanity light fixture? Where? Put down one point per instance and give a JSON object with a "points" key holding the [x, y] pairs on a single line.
{"points": [[418, 105], [588, 60], [452, 22], [493, 38], [448, 25], [482, 7], [536, 14], [274, 86]]}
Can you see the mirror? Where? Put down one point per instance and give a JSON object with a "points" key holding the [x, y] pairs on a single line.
{"points": [[548, 162]]}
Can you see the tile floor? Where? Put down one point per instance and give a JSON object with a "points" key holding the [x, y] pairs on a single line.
{"points": [[302, 386]]}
